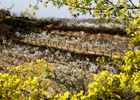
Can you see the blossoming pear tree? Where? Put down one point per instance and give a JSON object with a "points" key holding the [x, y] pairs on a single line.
{"points": [[121, 11]]}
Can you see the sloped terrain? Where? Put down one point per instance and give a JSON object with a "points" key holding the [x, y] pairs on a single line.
{"points": [[69, 50], [19, 45]]}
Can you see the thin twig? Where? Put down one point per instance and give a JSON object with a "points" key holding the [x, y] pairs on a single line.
{"points": [[110, 2], [132, 3], [86, 8]]}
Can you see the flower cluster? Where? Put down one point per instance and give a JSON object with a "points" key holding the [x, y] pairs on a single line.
{"points": [[94, 45], [72, 23], [24, 83]]}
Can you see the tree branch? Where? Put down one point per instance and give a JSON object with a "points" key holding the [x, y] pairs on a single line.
{"points": [[132, 3], [86, 8], [57, 79], [110, 2], [106, 8]]}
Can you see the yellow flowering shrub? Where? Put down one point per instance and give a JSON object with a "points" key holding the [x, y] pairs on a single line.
{"points": [[30, 84], [24, 83]]}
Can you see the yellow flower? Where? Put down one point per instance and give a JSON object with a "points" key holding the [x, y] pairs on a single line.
{"points": [[110, 82], [35, 90], [0, 74], [103, 88], [26, 11], [33, 87], [132, 35], [119, 97], [35, 80], [5, 76], [137, 97], [135, 22], [27, 82], [17, 81], [5, 84], [31, 64], [44, 62], [41, 60], [115, 7], [104, 73], [80, 94], [98, 59], [122, 85], [111, 24], [45, 5], [83, 97], [67, 95], [25, 69], [38, 61], [139, 26], [58, 96], [19, 66], [91, 94], [128, 31], [8, 68], [43, 93]]}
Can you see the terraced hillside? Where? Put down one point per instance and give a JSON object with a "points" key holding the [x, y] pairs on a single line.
{"points": [[56, 41], [66, 49]]}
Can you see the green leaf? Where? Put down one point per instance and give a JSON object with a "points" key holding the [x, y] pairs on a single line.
{"points": [[30, 5], [33, 13]]}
